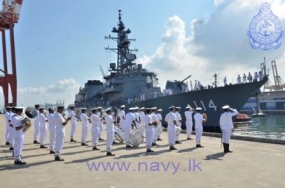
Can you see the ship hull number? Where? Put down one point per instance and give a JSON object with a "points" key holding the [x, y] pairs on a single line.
{"points": [[211, 105]]}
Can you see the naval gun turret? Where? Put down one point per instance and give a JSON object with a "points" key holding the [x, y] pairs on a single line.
{"points": [[175, 87]]}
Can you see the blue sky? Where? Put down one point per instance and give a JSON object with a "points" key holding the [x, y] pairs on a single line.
{"points": [[60, 44]]}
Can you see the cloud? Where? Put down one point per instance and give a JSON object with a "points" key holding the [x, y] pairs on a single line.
{"points": [[218, 44]]}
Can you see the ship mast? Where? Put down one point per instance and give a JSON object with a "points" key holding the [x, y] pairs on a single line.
{"points": [[124, 55]]}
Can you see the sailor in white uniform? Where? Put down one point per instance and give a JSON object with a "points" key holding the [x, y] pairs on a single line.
{"points": [[11, 129], [8, 128], [178, 121], [198, 126], [142, 120], [73, 123], [226, 124], [110, 130], [95, 120], [155, 129], [37, 125], [52, 131], [18, 135], [159, 118], [137, 118], [149, 130], [43, 127], [129, 123], [99, 113], [85, 120], [225, 81], [189, 122], [170, 118], [122, 115], [60, 123]]}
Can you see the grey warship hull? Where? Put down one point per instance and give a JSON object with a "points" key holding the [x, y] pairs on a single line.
{"points": [[210, 100]]}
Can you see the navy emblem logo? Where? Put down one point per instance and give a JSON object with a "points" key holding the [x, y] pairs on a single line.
{"points": [[265, 29]]}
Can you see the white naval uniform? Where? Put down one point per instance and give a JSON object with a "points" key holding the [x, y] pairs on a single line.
{"points": [[95, 120], [143, 124], [226, 124], [7, 118], [11, 130], [198, 127], [138, 124], [189, 122], [18, 137], [122, 115], [43, 128], [170, 117], [84, 119], [155, 130], [148, 131], [37, 127], [60, 132], [159, 118], [52, 131], [110, 130], [178, 119], [100, 124], [130, 117], [73, 123]]}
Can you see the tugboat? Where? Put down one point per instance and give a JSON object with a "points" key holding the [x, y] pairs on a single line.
{"points": [[130, 84]]}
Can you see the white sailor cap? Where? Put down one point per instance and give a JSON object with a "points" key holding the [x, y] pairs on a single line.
{"points": [[9, 107], [83, 108], [226, 107], [178, 107], [142, 108], [154, 108], [99, 107], [108, 109], [159, 110], [136, 108], [123, 106], [171, 107], [188, 107], [93, 109], [19, 107], [198, 108], [132, 108]]}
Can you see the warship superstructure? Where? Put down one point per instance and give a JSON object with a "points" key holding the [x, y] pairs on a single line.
{"points": [[131, 84]]}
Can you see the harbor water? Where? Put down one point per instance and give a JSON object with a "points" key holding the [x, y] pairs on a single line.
{"points": [[271, 126]]}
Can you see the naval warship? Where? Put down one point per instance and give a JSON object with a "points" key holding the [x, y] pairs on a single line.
{"points": [[130, 84]]}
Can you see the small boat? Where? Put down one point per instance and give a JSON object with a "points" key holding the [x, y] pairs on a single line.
{"points": [[258, 114], [242, 118]]}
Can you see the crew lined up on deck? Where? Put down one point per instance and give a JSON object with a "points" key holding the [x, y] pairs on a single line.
{"points": [[147, 120]]}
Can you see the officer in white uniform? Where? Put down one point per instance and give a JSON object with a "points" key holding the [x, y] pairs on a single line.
{"points": [[95, 120], [43, 127], [189, 123], [73, 123], [37, 125], [85, 120], [110, 129], [149, 130], [122, 115], [18, 135], [178, 121], [198, 126], [159, 118], [99, 113], [170, 118], [129, 123], [142, 120], [52, 131], [60, 123], [8, 128], [11, 129], [226, 124], [154, 119]]}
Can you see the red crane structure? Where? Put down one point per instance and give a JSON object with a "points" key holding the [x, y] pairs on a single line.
{"points": [[9, 16]]}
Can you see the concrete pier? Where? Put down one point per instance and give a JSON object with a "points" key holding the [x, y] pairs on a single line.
{"points": [[251, 165]]}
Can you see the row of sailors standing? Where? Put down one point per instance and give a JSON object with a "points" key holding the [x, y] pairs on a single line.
{"points": [[257, 77]]}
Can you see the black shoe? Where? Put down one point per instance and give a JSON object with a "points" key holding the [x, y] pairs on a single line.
{"points": [[52, 152], [19, 162], [153, 144], [177, 142], [149, 150], [57, 158], [72, 140], [129, 146], [36, 142], [115, 142], [7, 143], [199, 146], [110, 154], [11, 148], [159, 139], [228, 148], [189, 139], [84, 144], [101, 139], [95, 148], [172, 148], [42, 146]]}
